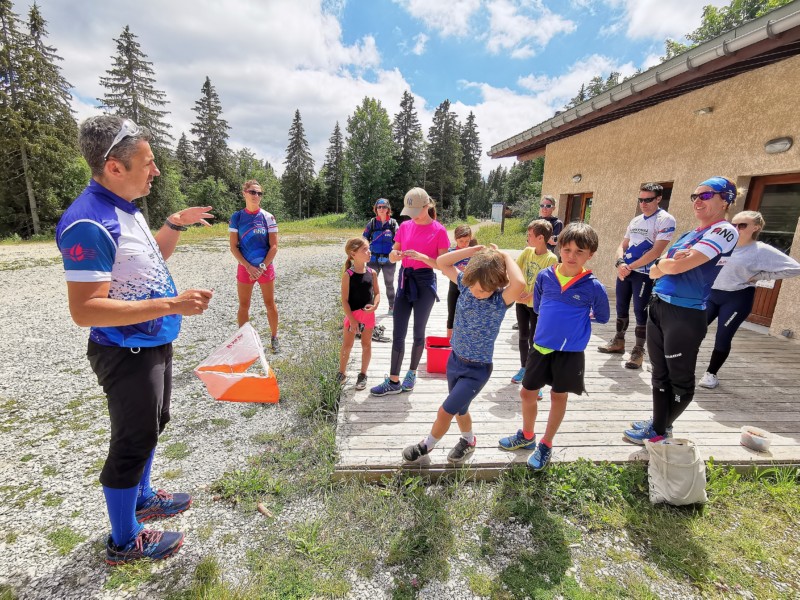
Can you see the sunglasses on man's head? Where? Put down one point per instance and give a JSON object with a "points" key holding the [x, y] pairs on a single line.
{"points": [[703, 196], [255, 193], [128, 129], [647, 200]]}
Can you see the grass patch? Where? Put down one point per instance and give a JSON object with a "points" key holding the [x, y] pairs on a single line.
{"points": [[250, 412], [513, 237], [177, 451], [172, 474], [64, 540], [130, 575]]}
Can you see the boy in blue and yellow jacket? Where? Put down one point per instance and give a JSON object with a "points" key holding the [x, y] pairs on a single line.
{"points": [[564, 295]]}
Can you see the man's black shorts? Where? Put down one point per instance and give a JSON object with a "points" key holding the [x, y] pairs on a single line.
{"points": [[563, 371]]}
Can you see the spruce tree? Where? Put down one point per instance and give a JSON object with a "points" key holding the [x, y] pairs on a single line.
{"points": [[37, 131], [445, 166], [298, 177], [211, 133], [333, 170], [369, 153], [410, 141], [471, 161]]}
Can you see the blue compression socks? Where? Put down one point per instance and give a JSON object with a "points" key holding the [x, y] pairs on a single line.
{"points": [[145, 490], [121, 505]]}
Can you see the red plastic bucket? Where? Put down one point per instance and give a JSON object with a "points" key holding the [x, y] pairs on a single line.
{"points": [[438, 351]]}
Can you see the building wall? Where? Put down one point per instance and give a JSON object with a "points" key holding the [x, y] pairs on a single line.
{"points": [[670, 142]]}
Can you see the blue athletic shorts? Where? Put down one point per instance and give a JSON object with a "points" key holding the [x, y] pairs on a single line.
{"points": [[465, 380]]}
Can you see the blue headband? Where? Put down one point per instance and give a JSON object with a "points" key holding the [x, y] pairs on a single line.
{"points": [[381, 202], [723, 187]]}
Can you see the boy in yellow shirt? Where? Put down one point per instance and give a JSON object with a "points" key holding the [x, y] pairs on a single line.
{"points": [[533, 259]]}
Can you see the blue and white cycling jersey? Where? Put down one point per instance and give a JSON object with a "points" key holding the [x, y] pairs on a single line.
{"points": [[692, 288], [253, 230], [642, 234], [103, 237]]}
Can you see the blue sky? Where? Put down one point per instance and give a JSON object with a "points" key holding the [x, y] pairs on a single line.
{"points": [[511, 62]]}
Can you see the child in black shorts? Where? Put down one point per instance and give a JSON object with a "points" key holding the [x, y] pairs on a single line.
{"points": [[563, 297]]}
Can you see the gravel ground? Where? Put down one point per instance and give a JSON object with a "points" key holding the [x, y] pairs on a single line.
{"points": [[54, 435]]}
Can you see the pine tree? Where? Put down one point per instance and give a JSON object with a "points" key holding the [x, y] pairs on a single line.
{"points": [[211, 133], [369, 153], [298, 177], [445, 168], [185, 157], [410, 141], [333, 169], [131, 92], [37, 133], [471, 148]]}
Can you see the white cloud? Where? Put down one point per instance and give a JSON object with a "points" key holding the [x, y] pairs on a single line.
{"points": [[448, 17], [419, 44], [660, 19]]}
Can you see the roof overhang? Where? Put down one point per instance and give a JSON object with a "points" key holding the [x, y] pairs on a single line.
{"points": [[769, 39]]}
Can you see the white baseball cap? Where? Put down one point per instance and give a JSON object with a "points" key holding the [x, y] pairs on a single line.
{"points": [[416, 199]]}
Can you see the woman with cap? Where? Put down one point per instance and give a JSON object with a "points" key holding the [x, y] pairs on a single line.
{"points": [[380, 232], [418, 243], [734, 290], [676, 322]]}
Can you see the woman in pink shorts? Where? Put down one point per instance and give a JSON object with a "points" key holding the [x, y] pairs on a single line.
{"points": [[360, 299], [254, 244]]}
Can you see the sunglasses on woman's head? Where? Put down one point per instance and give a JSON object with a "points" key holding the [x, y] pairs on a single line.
{"points": [[547, 206], [382, 207], [703, 196], [255, 193]]}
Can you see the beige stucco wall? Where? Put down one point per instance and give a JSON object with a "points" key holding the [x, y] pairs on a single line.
{"points": [[670, 142]]}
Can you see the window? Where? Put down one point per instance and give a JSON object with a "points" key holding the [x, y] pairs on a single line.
{"points": [[579, 207]]}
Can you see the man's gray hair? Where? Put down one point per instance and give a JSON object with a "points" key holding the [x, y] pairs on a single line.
{"points": [[96, 136]]}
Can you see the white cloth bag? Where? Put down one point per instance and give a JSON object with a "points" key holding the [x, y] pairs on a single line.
{"points": [[676, 473]]}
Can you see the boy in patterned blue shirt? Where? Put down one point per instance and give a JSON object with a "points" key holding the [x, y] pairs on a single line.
{"points": [[489, 285]]}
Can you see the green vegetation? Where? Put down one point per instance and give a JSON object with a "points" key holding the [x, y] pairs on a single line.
{"points": [[177, 450], [513, 237], [65, 540]]}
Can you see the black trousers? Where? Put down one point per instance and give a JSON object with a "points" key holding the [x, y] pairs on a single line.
{"points": [[526, 319], [138, 385], [637, 287]]}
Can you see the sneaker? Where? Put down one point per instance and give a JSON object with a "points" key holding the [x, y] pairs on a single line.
{"points": [[414, 452], [341, 378], [391, 311], [615, 346], [461, 450], [709, 381], [638, 436], [275, 344], [648, 423], [539, 459], [519, 376], [636, 359], [163, 504], [361, 381], [540, 395], [150, 543], [387, 387], [517, 442], [409, 380]]}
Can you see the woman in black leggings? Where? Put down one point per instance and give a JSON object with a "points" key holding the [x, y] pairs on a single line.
{"points": [[676, 322], [734, 289]]}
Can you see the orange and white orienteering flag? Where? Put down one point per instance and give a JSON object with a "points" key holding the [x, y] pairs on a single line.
{"points": [[224, 372]]}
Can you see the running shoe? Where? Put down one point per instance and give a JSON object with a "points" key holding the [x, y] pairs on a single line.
{"points": [[638, 436], [361, 381], [150, 543], [540, 458], [517, 442], [387, 387], [163, 504], [519, 376], [409, 380], [414, 452], [709, 381], [461, 450]]}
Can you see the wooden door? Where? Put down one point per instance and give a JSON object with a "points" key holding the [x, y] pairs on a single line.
{"points": [[777, 197]]}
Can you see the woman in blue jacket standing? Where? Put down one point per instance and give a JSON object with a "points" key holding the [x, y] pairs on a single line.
{"points": [[676, 323], [380, 233]]}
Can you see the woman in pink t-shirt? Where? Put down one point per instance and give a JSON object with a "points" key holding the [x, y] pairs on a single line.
{"points": [[418, 243]]}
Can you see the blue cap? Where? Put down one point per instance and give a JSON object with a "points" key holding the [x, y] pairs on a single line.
{"points": [[724, 187], [381, 201]]}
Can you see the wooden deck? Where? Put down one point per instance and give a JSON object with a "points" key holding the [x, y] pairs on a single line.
{"points": [[759, 385]]}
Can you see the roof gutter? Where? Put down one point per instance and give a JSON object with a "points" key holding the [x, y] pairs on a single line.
{"points": [[768, 26]]}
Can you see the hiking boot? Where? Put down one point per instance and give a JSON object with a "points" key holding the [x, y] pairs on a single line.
{"points": [[414, 452], [517, 442], [615, 346], [387, 387], [461, 450], [361, 381], [275, 344], [150, 543], [409, 380], [540, 458], [163, 504], [709, 381], [638, 436], [637, 356], [519, 376]]}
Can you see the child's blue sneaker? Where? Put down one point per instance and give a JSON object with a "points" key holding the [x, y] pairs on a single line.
{"points": [[387, 387], [517, 442], [541, 456], [409, 380], [519, 376], [638, 436], [163, 504], [643, 424]]}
